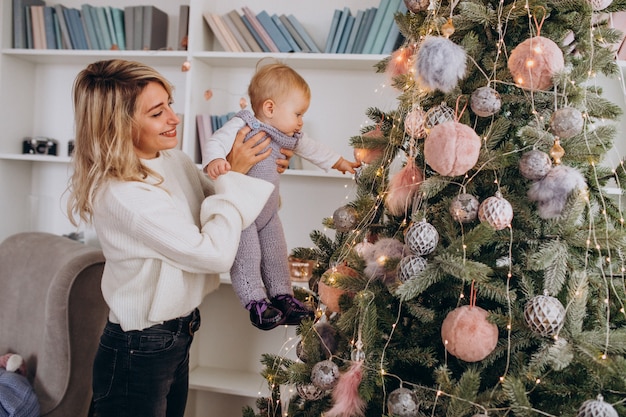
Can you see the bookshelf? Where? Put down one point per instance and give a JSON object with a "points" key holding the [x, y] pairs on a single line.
{"points": [[35, 98]]}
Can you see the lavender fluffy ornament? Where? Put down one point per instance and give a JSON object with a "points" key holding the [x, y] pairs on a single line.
{"points": [[552, 191], [377, 256], [439, 64]]}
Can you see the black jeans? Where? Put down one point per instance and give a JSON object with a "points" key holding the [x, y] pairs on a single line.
{"points": [[143, 373]]}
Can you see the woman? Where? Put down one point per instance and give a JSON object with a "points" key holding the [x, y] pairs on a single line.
{"points": [[165, 229]]}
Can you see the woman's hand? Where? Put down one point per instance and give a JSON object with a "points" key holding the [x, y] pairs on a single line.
{"points": [[244, 155]]}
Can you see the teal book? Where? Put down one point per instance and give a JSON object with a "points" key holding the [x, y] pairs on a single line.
{"points": [[303, 33], [332, 32], [385, 26], [87, 17], [341, 26], [375, 27], [361, 36], [347, 30], [19, 21], [48, 21], [356, 26], [394, 36], [110, 26], [118, 27], [77, 23], [102, 28], [57, 31], [281, 26], [270, 27]]}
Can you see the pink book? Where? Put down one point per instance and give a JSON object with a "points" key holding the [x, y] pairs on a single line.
{"points": [[260, 29]]}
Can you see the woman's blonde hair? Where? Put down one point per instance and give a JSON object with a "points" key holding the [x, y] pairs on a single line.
{"points": [[105, 103], [272, 81]]}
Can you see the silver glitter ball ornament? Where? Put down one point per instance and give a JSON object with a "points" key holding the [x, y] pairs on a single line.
{"points": [[410, 266], [485, 101], [421, 238], [345, 218], [309, 392], [325, 374], [544, 315], [464, 208], [417, 5], [566, 122], [535, 164], [596, 408], [403, 402]]}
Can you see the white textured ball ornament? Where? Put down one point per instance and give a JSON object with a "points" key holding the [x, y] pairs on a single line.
{"points": [[410, 266], [600, 4], [345, 218], [544, 315], [468, 335], [309, 392], [535, 164], [421, 238], [566, 122], [496, 211], [403, 402], [485, 101], [452, 148], [534, 62], [439, 64], [325, 374], [464, 208], [414, 123], [439, 114], [596, 408]]}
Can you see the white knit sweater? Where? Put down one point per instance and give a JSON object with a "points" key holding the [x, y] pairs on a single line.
{"points": [[164, 245]]}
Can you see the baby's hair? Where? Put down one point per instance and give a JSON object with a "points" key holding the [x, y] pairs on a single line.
{"points": [[273, 80]]}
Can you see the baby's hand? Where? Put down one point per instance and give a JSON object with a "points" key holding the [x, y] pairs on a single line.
{"points": [[344, 165], [217, 167]]}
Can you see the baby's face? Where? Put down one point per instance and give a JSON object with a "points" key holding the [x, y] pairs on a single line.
{"points": [[288, 112]]}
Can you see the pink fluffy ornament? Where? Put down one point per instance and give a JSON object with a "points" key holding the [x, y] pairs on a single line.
{"points": [[468, 335], [346, 399], [403, 187], [496, 211], [330, 294], [534, 62], [400, 62], [439, 64], [414, 123], [369, 155], [452, 148]]}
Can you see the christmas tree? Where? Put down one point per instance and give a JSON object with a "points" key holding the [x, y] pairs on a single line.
{"points": [[480, 268]]}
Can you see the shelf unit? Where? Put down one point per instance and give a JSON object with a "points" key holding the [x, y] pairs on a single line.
{"points": [[35, 98]]}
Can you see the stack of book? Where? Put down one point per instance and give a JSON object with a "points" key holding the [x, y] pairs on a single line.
{"points": [[259, 32], [39, 26]]}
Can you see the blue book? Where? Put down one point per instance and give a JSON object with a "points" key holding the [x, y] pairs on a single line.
{"points": [[109, 17], [118, 24], [77, 24], [375, 27], [341, 26], [57, 31], [385, 26], [87, 17], [48, 20], [294, 33], [29, 27], [364, 30], [394, 33], [302, 31], [356, 26], [254, 33], [283, 29], [333, 30], [20, 22], [270, 27], [102, 29], [347, 31], [64, 27]]}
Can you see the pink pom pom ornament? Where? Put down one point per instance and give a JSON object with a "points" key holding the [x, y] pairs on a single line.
{"points": [[534, 62], [452, 148], [403, 187], [468, 335]]}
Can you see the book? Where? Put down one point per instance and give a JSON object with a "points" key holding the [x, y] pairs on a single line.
{"points": [[38, 27], [63, 26], [341, 27], [245, 31], [217, 31], [358, 18], [19, 21], [129, 26], [272, 30], [155, 26], [254, 33], [281, 26], [76, 23], [138, 28], [385, 26], [111, 27], [118, 27], [302, 31], [334, 24], [29, 28], [260, 30], [183, 27], [48, 20], [375, 26], [57, 31], [394, 36], [364, 30], [294, 33], [230, 37], [87, 17], [102, 28], [347, 31], [234, 31]]}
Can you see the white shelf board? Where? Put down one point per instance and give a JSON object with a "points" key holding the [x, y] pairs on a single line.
{"points": [[228, 381], [83, 57], [36, 158]]}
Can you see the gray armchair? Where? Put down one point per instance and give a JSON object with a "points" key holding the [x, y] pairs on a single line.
{"points": [[52, 313]]}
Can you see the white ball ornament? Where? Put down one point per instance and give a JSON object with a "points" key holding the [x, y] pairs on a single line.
{"points": [[566, 122], [452, 148], [596, 408], [485, 101], [403, 402], [600, 4], [439, 114], [325, 374], [410, 266], [309, 392], [439, 64], [544, 315], [535, 164], [468, 335], [421, 238], [464, 208], [534, 62], [496, 211], [414, 123]]}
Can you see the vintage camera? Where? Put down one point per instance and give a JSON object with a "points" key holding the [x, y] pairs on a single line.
{"points": [[40, 146]]}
